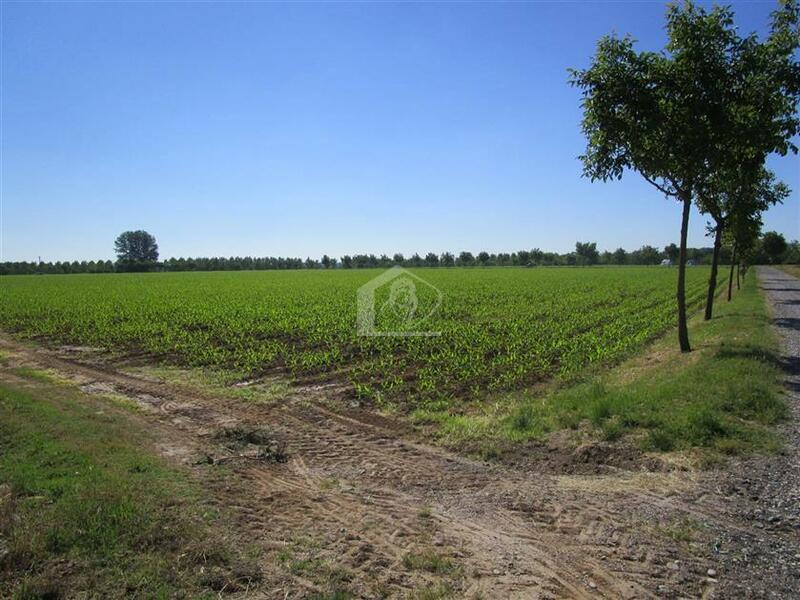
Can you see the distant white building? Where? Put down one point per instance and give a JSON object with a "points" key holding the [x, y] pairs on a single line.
{"points": [[666, 263]]}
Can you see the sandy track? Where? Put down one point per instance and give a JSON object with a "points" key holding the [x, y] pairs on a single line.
{"points": [[357, 488]]}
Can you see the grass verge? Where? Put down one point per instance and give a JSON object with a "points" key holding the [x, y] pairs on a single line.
{"points": [[791, 269], [84, 511], [723, 397]]}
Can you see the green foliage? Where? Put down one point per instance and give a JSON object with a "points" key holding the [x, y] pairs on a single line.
{"points": [[428, 561], [698, 119], [774, 245], [587, 253], [501, 329], [723, 401], [136, 248], [80, 492]]}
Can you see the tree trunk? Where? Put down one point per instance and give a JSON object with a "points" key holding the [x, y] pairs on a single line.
{"points": [[738, 268], [730, 277], [712, 281], [683, 330]]}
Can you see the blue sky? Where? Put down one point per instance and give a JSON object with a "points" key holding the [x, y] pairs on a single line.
{"points": [[302, 129]]}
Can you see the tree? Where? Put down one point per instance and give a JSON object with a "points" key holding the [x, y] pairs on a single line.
{"points": [[672, 252], [432, 259], [646, 255], [620, 256], [447, 259], [792, 255], [664, 114], [587, 253], [774, 246], [742, 234], [741, 194], [136, 250], [465, 259], [415, 260], [759, 113]]}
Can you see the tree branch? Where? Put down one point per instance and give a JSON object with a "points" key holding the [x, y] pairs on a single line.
{"points": [[657, 186]]}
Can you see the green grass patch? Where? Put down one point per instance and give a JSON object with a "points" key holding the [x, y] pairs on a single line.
{"points": [[683, 530], [231, 384], [35, 374], [84, 508], [304, 558], [723, 397], [791, 269], [429, 561]]}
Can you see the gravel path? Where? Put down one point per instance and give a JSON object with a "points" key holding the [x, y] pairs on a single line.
{"points": [[763, 558]]}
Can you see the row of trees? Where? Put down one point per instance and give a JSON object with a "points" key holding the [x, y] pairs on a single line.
{"points": [[697, 121], [773, 248]]}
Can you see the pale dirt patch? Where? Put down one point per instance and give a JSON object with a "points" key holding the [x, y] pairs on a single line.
{"points": [[665, 484]]}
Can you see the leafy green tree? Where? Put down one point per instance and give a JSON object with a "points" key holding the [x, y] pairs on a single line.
{"points": [[647, 255], [740, 195], [620, 256], [666, 114], [672, 252], [136, 247], [587, 253], [760, 117], [774, 246], [466, 259], [415, 260], [792, 255], [742, 234]]}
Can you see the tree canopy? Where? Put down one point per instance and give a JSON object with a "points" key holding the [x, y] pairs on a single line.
{"points": [[136, 247], [695, 117]]}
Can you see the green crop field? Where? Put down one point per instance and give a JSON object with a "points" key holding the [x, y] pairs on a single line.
{"points": [[498, 329]]}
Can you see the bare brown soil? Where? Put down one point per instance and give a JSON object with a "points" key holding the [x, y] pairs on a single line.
{"points": [[347, 499]]}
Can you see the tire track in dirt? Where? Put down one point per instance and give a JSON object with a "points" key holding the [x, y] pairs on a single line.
{"points": [[360, 488]]}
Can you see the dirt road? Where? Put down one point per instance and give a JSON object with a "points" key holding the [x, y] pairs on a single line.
{"points": [[364, 496], [360, 504], [764, 492]]}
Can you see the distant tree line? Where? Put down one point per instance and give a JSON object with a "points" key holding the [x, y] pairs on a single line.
{"points": [[771, 248]]}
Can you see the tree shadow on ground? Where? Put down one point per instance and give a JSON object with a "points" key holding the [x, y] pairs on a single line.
{"points": [[787, 364], [787, 323]]}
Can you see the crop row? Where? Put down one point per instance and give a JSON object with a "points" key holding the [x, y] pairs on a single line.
{"points": [[498, 329]]}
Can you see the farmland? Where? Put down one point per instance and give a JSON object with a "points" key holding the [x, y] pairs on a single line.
{"points": [[499, 329]]}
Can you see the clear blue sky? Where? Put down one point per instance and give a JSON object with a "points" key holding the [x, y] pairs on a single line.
{"points": [[302, 129]]}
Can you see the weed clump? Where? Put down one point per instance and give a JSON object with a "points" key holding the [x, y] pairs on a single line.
{"points": [[265, 443]]}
